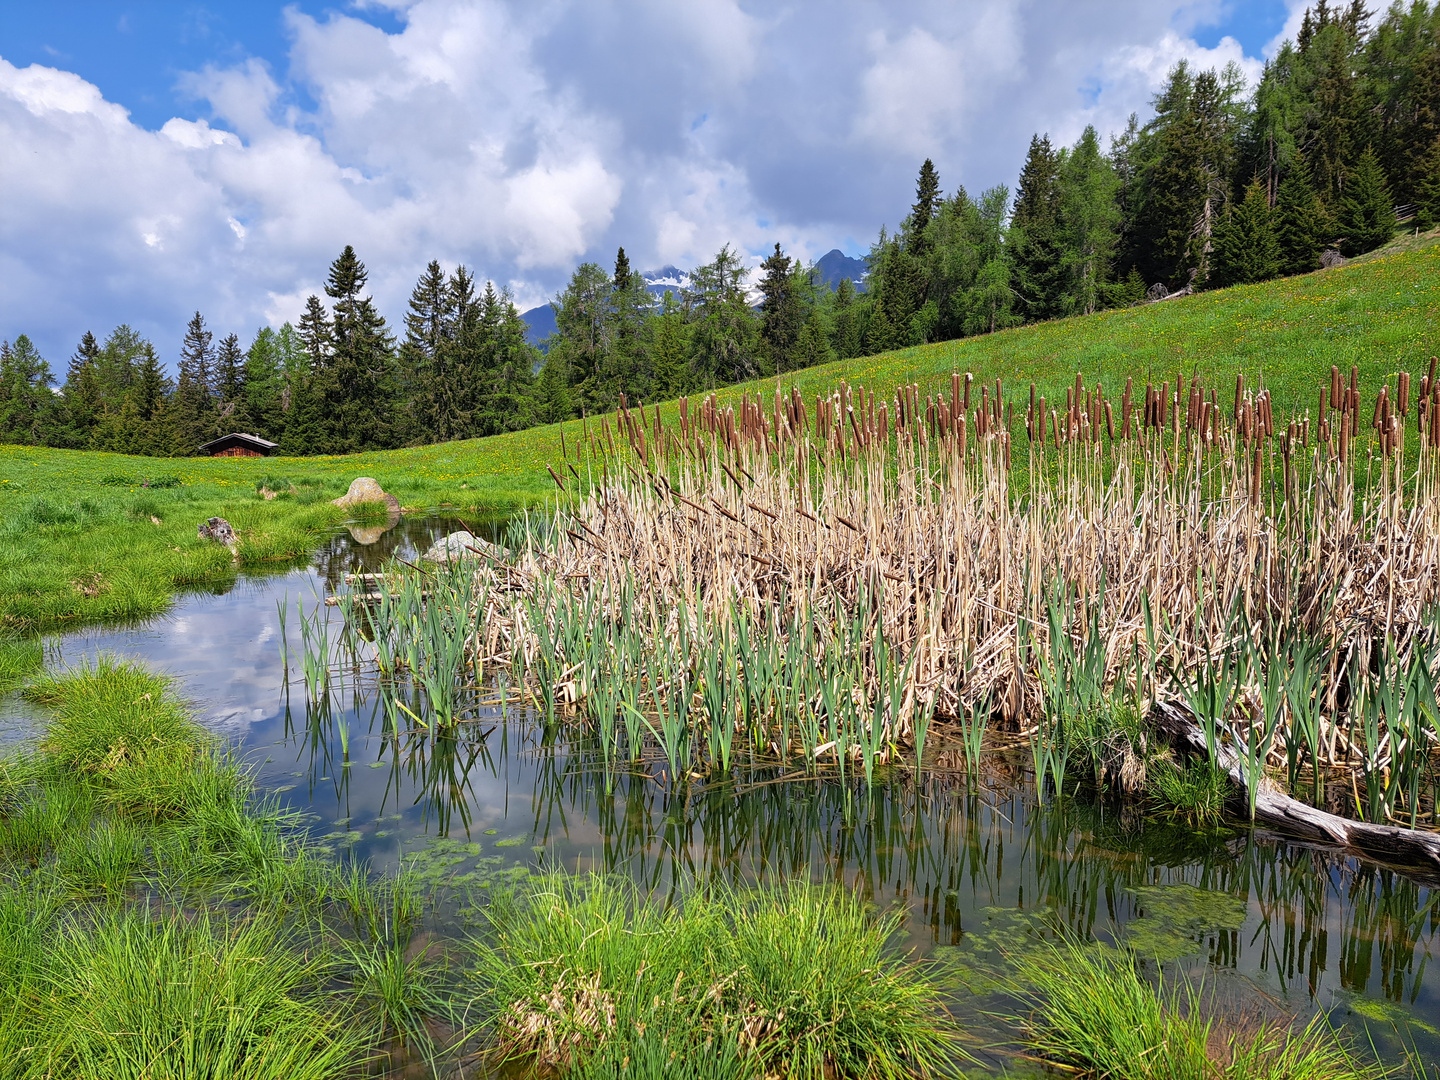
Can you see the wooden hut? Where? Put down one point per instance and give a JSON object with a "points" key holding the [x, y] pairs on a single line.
{"points": [[238, 444]]}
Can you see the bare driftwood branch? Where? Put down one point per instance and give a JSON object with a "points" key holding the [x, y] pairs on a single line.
{"points": [[1414, 850]]}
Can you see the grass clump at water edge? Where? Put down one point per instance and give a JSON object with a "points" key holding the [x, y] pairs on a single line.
{"points": [[586, 972], [1094, 1015], [127, 839]]}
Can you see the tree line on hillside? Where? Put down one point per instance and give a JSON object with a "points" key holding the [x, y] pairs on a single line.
{"points": [[1220, 187]]}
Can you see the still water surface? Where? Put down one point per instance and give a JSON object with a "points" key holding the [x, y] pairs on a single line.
{"points": [[981, 870]]}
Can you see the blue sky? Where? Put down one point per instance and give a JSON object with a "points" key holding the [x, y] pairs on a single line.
{"points": [[175, 156]]}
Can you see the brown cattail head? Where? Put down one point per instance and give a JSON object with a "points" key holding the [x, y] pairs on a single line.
{"points": [[1239, 393], [1334, 386], [1402, 398]]}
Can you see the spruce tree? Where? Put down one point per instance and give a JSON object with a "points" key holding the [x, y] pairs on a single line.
{"points": [[812, 347], [846, 333], [880, 333], [151, 398], [25, 398], [80, 408], [1422, 132], [1087, 224], [265, 385], [508, 362], [1245, 248], [436, 390], [1427, 190], [723, 338], [669, 349], [316, 335], [1037, 254], [305, 420], [627, 365], [1302, 225], [194, 412], [231, 413], [1333, 109], [1367, 217], [552, 391], [356, 383], [927, 196], [781, 317], [582, 334]]}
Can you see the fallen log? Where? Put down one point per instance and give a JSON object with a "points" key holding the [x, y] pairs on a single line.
{"points": [[1416, 851]]}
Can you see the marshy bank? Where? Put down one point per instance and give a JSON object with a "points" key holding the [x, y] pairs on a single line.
{"points": [[476, 787], [161, 919]]}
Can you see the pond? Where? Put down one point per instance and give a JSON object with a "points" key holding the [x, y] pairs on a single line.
{"points": [[983, 869]]}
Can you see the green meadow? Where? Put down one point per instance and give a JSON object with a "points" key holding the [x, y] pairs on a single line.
{"points": [[88, 535]]}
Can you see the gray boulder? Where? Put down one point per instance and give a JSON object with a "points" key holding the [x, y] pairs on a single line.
{"points": [[365, 489], [462, 545], [449, 548]]}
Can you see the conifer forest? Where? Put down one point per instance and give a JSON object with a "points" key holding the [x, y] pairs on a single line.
{"points": [[1335, 149]]}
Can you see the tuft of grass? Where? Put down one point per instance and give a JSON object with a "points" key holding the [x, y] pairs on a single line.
{"points": [[19, 657], [121, 728], [1133, 1030], [1195, 793], [133, 996], [795, 980]]}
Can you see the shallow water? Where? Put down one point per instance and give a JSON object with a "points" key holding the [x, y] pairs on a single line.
{"points": [[982, 871]]}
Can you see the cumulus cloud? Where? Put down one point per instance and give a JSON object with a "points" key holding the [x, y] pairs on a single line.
{"points": [[520, 138]]}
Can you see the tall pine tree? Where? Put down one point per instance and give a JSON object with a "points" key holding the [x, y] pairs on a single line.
{"points": [[356, 384], [781, 317], [231, 411], [1367, 217], [26, 403], [1034, 236], [1245, 247], [194, 410], [80, 407], [1302, 224]]}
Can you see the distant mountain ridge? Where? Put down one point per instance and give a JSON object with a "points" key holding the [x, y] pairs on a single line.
{"points": [[834, 266]]}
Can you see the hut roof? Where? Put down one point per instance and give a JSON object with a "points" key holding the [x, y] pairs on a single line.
{"points": [[240, 439]]}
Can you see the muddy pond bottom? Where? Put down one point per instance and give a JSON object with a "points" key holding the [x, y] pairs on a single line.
{"points": [[982, 868]]}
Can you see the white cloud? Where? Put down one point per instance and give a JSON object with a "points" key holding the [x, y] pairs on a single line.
{"points": [[522, 138]]}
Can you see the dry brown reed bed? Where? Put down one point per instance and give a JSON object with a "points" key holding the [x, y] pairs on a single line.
{"points": [[998, 556], [796, 507]]}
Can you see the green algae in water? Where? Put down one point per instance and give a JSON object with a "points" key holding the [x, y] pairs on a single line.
{"points": [[1387, 1012], [514, 841], [985, 961], [1177, 918]]}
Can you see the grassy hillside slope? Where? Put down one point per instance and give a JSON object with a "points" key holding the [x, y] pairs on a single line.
{"points": [[89, 535]]}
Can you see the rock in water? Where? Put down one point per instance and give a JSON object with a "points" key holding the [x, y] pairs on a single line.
{"points": [[217, 529], [455, 546], [365, 489]]}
